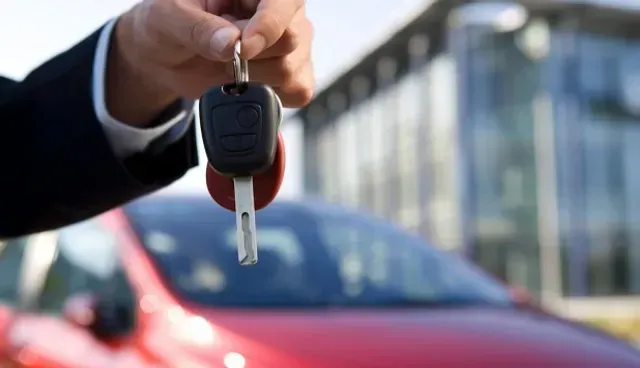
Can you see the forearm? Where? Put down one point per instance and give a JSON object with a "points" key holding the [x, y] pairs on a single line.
{"points": [[58, 165]]}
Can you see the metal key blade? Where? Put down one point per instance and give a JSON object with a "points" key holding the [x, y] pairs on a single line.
{"points": [[245, 221]]}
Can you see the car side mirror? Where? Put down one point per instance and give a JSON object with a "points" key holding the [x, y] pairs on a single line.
{"points": [[79, 310], [523, 298], [106, 319]]}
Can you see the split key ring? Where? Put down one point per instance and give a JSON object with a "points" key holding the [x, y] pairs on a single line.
{"points": [[240, 67]]}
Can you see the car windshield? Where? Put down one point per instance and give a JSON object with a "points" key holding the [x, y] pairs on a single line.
{"points": [[308, 257]]}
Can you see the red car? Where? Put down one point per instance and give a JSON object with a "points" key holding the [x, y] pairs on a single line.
{"points": [[157, 284]]}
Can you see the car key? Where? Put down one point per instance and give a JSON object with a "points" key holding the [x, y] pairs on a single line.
{"points": [[239, 124]]}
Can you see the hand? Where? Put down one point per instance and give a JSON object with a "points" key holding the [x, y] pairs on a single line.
{"points": [[180, 48]]}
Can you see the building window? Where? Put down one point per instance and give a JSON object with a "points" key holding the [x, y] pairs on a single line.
{"points": [[379, 144], [311, 171], [333, 188], [329, 187], [418, 46], [314, 149], [603, 260], [439, 146], [407, 153], [499, 87], [361, 135], [388, 102], [387, 68], [12, 255], [409, 100], [348, 152]]}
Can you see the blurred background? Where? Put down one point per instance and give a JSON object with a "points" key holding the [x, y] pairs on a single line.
{"points": [[506, 131]]}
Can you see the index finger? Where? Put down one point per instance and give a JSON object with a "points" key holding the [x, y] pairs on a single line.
{"points": [[268, 24]]}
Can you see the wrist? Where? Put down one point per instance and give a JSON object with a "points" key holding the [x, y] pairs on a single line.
{"points": [[133, 96]]}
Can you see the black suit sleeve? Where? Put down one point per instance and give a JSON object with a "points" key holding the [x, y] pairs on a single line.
{"points": [[57, 166]]}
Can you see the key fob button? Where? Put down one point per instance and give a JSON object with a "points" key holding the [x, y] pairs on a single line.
{"points": [[238, 142], [231, 143], [248, 116], [248, 141]]}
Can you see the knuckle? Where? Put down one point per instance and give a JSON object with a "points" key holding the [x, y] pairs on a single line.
{"points": [[149, 14], [290, 40], [299, 34], [306, 96], [287, 70], [154, 14], [299, 94], [198, 30], [271, 26], [307, 90], [299, 97], [155, 10]]}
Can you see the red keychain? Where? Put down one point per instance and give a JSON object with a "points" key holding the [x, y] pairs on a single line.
{"points": [[265, 186]]}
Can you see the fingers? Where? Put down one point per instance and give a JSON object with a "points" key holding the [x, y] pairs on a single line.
{"points": [[300, 92], [212, 36], [286, 65], [201, 32], [268, 24], [291, 76], [287, 44], [275, 72], [276, 40], [279, 64]]}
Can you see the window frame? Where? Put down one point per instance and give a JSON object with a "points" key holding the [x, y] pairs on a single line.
{"points": [[17, 282], [33, 264], [119, 270]]}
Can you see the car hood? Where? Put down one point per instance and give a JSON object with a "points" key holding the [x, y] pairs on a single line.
{"points": [[418, 338]]}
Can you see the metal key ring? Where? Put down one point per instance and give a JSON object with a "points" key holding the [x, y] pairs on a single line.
{"points": [[240, 66]]}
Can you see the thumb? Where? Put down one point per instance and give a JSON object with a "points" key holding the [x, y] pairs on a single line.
{"points": [[206, 34]]}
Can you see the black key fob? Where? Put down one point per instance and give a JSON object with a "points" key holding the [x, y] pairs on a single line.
{"points": [[239, 127]]}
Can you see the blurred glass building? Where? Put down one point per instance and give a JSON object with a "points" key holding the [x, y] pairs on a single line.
{"points": [[509, 131]]}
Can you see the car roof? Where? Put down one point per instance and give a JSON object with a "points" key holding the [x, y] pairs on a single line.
{"points": [[308, 205]]}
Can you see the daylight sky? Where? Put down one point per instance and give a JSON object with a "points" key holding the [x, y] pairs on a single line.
{"points": [[31, 31]]}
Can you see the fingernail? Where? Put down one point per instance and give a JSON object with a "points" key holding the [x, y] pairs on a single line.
{"points": [[253, 45], [222, 40]]}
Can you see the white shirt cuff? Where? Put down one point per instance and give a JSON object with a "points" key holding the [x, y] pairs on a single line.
{"points": [[125, 139]]}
